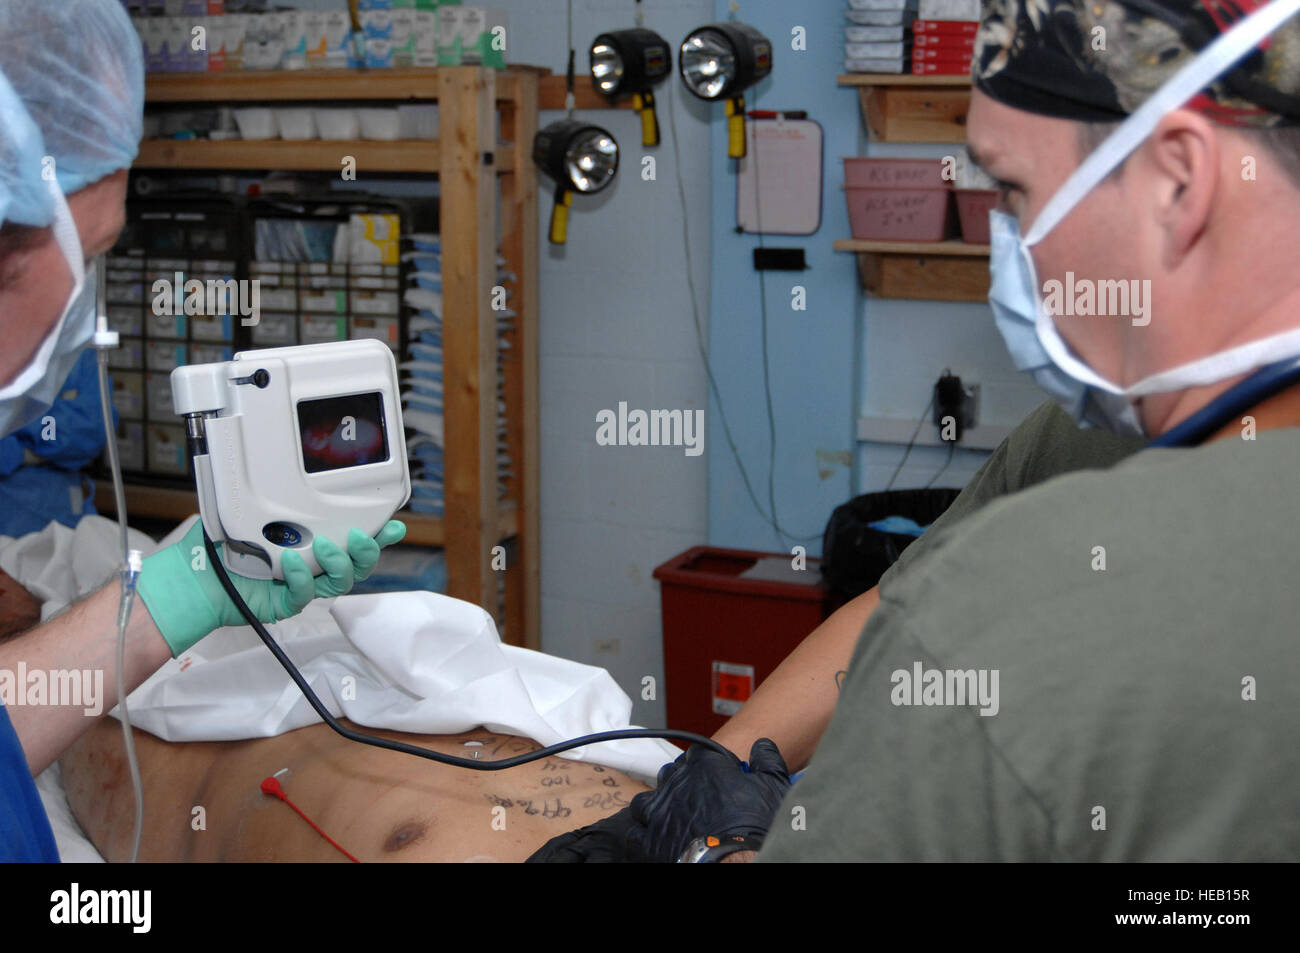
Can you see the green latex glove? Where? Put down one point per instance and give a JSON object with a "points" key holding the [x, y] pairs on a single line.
{"points": [[186, 600]]}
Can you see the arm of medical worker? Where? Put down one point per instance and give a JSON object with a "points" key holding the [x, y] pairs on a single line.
{"points": [[182, 602], [794, 704]]}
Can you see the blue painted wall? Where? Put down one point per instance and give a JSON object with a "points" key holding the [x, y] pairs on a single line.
{"points": [[812, 354], [847, 355]]}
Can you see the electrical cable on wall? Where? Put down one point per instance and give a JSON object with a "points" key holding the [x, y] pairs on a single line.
{"points": [[952, 448], [699, 333], [911, 442], [767, 368], [570, 100]]}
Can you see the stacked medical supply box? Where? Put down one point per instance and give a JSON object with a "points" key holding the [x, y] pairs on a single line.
{"points": [[917, 36], [422, 372]]}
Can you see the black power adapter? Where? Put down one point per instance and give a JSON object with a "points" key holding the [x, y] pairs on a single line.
{"points": [[954, 407]]}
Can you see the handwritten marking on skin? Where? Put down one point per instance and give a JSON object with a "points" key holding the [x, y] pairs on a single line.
{"points": [[548, 810], [605, 801]]}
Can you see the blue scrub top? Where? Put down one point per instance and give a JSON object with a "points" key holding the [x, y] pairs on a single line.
{"points": [[32, 496], [25, 834]]}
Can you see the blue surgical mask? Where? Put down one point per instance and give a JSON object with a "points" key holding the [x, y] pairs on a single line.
{"points": [[1013, 295], [1014, 290]]}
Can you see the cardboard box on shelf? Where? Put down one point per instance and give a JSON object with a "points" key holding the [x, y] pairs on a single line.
{"points": [[959, 27], [315, 328], [275, 329], [948, 9], [425, 40], [374, 238], [940, 67]]}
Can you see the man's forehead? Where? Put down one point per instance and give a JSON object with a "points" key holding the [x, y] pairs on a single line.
{"points": [[992, 132], [1009, 138]]}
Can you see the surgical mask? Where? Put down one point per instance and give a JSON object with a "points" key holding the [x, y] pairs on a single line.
{"points": [[1017, 308], [1026, 326], [35, 388]]}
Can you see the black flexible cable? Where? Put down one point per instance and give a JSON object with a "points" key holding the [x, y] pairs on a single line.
{"points": [[911, 443], [617, 735]]}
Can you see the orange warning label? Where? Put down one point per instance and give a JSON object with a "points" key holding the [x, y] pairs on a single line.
{"points": [[732, 686]]}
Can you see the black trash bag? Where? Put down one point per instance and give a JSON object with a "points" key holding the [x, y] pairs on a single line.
{"points": [[855, 556]]}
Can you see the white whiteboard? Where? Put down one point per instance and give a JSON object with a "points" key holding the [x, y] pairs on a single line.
{"points": [[779, 181]]}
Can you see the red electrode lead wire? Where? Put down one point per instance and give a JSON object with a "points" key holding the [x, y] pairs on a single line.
{"points": [[272, 787]]}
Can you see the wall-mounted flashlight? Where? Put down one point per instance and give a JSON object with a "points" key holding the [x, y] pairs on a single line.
{"points": [[580, 157], [721, 61], [631, 62]]}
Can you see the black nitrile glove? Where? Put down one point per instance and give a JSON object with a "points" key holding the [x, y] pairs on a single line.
{"points": [[605, 842], [706, 792]]}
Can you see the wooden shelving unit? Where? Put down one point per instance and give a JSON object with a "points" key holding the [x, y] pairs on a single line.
{"points": [[293, 156], [932, 271], [472, 166], [952, 247], [897, 107]]}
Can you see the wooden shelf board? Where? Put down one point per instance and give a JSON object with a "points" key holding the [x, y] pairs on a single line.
{"points": [[901, 79], [551, 89], [348, 85], [321, 155], [931, 271], [911, 248], [289, 85], [154, 502]]}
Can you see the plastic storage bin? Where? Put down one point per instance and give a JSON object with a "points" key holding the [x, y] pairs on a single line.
{"points": [[725, 632], [898, 199], [855, 554], [973, 212]]}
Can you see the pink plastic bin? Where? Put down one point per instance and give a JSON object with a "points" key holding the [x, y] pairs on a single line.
{"points": [[862, 173], [898, 199], [973, 211]]}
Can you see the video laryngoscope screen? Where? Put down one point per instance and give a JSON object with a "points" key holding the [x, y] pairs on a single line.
{"points": [[339, 432]]}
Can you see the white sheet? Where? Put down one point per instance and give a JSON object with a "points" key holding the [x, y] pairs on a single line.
{"points": [[416, 661]]}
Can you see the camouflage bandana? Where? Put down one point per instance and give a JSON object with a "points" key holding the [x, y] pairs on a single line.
{"points": [[1099, 60]]}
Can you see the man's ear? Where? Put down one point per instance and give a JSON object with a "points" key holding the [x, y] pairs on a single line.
{"points": [[1182, 166]]}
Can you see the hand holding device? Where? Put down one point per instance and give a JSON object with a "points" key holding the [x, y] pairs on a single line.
{"points": [[295, 449], [705, 793], [291, 444], [187, 600], [705, 796], [607, 841]]}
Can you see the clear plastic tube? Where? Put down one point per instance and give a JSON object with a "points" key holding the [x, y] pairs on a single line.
{"points": [[132, 560]]}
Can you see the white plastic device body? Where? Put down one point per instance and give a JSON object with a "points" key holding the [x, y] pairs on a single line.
{"points": [[293, 443]]}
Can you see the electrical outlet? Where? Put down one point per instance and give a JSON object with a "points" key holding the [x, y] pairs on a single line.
{"points": [[972, 406], [956, 400]]}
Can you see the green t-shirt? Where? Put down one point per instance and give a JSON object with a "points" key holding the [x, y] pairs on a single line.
{"points": [[1047, 443], [1148, 710]]}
